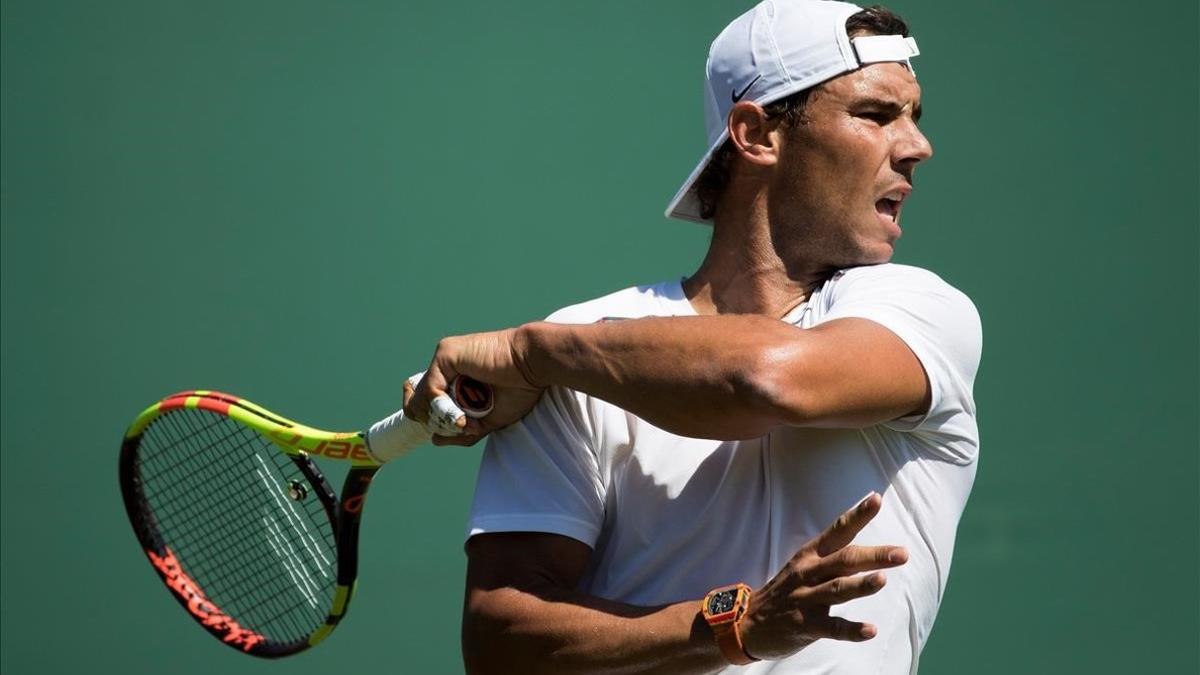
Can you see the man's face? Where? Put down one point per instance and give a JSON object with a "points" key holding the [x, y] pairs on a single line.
{"points": [[844, 174]]}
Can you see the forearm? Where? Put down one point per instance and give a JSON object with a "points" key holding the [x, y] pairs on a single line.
{"points": [[707, 377], [554, 630]]}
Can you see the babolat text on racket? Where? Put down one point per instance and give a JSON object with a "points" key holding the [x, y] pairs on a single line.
{"points": [[240, 524]]}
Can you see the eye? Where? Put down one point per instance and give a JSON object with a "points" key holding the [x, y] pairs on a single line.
{"points": [[880, 118]]}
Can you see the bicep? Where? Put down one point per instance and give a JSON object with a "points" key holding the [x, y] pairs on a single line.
{"points": [[510, 573], [510, 578], [851, 373], [524, 560]]}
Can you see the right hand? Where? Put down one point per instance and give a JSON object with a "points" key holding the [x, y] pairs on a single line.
{"points": [[495, 358], [792, 610]]}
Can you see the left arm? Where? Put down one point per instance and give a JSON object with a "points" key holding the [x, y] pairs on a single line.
{"points": [[722, 377]]}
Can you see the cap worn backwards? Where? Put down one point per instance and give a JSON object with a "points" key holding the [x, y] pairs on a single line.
{"points": [[774, 50]]}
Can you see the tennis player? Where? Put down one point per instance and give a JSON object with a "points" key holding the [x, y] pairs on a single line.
{"points": [[762, 466]]}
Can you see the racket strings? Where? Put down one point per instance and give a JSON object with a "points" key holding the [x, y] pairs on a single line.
{"points": [[200, 470], [244, 566], [204, 470], [250, 572], [219, 493], [243, 574], [280, 549]]}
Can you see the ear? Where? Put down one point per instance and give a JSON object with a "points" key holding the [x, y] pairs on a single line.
{"points": [[753, 134]]}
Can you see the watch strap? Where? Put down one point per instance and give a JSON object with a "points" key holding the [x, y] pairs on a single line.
{"points": [[728, 632]]}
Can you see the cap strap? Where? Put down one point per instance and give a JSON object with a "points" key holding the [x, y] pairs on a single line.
{"points": [[884, 48]]}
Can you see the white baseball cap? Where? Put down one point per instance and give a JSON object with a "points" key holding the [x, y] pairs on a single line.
{"points": [[777, 49]]}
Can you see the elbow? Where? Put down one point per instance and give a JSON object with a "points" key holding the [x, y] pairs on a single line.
{"points": [[495, 639], [774, 383], [475, 656], [481, 641]]}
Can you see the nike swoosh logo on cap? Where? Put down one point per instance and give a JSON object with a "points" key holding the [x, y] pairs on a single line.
{"points": [[737, 96]]}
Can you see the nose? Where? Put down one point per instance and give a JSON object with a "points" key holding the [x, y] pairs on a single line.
{"points": [[912, 147]]}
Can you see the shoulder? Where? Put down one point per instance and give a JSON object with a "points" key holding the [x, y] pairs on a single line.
{"points": [[902, 283], [892, 274], [919, 306], [627, 303]]}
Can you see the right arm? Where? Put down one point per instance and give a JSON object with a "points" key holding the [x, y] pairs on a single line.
{"points": [[723, 377], [523, 611]]}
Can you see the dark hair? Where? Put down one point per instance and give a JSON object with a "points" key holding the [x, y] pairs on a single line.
{"points": [[874, 20]]}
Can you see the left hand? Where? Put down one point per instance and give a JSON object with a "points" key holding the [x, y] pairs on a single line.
{"points": [[792, 610], [495, 358]]}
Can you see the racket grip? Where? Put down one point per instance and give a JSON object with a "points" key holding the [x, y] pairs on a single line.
{"points": [[395, 435], [476, 399]]}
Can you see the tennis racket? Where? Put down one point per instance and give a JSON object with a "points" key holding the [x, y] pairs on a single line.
{"points": [[238, 521]]}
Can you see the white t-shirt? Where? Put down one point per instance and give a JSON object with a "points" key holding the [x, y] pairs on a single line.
{"points": [[660, 510]]}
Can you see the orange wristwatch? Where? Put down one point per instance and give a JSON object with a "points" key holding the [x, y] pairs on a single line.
{"points": [[723, 609]]}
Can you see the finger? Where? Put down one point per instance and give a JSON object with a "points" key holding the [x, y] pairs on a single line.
{"points": [[475, 427], [844, 589], [438, 377], [431, 385], [445, 417], [465, 440], [837, 628], [848, 525], [416, 404], [855, 559]]}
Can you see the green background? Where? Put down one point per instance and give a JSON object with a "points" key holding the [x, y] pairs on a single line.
{"points": [[293, 200]]}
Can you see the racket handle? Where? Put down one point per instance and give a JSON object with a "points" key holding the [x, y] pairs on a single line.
{"points": [[396, 434], [474, 398]]}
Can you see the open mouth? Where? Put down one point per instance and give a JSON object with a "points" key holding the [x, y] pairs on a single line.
{"points": [[889, 208], [889, 203]]}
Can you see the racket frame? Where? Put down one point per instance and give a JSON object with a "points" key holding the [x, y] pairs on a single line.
{"points": [[298, 441]]}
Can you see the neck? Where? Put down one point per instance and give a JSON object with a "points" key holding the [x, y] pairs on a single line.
{"points": [[743, 272]]}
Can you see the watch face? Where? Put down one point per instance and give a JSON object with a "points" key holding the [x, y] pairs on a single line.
{"points": [[721, 602]]}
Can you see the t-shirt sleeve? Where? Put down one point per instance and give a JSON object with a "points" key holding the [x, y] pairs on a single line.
{"points": [[941, 326], [541, 474]]}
